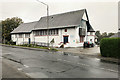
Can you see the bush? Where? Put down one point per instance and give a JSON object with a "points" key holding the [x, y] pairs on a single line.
{"points": [[10, 42], [29, 45], [110, 47]]}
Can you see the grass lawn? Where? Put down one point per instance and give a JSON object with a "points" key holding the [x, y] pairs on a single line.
{"points": [[34, 46]]}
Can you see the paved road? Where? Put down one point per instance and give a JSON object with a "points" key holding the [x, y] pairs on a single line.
{"points": [[10, 72], [93, 51], [40, 64], [7, 71]]}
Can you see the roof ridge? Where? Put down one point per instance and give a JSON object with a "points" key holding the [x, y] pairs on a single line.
{"points": [[30, 22], [64, 13]]}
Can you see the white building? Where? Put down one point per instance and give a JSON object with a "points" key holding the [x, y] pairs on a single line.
{"points": [[70, 29]]}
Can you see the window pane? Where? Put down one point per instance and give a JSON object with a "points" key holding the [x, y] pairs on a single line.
{"points": [[57, 31], [65, 30], [15, 35], [20, 36], [45, 32], [27, 35], [91, 33]]}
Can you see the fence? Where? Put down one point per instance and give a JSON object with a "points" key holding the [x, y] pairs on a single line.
{"points": [[37, 43]]}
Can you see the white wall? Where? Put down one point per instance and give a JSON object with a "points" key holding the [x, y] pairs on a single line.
{"points": [[73, 38], [71, 32], [19, 40], [59, 38], [89, 36], [13, 37]]}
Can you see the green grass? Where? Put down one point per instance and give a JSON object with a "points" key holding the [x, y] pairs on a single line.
{"points": [[36, 46], [33, 46]]}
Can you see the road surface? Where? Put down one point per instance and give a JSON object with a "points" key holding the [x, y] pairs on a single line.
{"points": [[41, 64], [9, 72]]}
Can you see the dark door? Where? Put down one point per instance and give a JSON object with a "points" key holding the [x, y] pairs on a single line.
{"points": [[65, 39], [29, 40]]}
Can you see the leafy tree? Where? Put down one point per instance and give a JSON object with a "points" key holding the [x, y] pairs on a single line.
{"points": [[110, 34], [8, 26], [104, 34], [98, 33]]}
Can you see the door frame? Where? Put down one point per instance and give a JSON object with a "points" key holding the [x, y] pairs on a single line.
{"points": [[66, 36]]}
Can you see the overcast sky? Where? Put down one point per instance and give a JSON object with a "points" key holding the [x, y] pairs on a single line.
{"points": [[103, 14]]}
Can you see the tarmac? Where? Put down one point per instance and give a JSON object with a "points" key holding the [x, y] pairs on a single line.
{"points": [[87, 52]]}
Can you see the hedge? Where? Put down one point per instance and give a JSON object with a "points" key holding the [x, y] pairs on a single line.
{"points": [[110, 47]]}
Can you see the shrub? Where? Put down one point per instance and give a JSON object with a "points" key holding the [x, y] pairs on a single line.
{"points": [[110, 47], [29, 45], [10, 42]]}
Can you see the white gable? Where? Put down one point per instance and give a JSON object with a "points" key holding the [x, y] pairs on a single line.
{"points": [[84, 16]]}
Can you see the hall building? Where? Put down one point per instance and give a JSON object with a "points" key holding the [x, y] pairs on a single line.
{"points": [[71, 29]]}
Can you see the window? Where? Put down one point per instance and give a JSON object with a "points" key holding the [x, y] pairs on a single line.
{"points": [[81, 38], [83, 24], [36, 33], [91, 33], [50, 32], [65, 30], [45, 32], [40, 33], [27, 35], [15, 35], [57, 31], [20, 35], [54, 32], [82, 32]]}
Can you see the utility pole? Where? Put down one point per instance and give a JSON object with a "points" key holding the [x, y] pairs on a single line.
{"points": [[47, 21]]}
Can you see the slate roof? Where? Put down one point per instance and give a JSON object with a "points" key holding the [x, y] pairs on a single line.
{"points": [[89, 27], [25, 27], [68, 19]]}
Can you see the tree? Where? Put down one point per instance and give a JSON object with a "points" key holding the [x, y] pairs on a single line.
{"points": [[97, 33], [104, 34], [98, 36], [110, 34], [8, 26]]}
